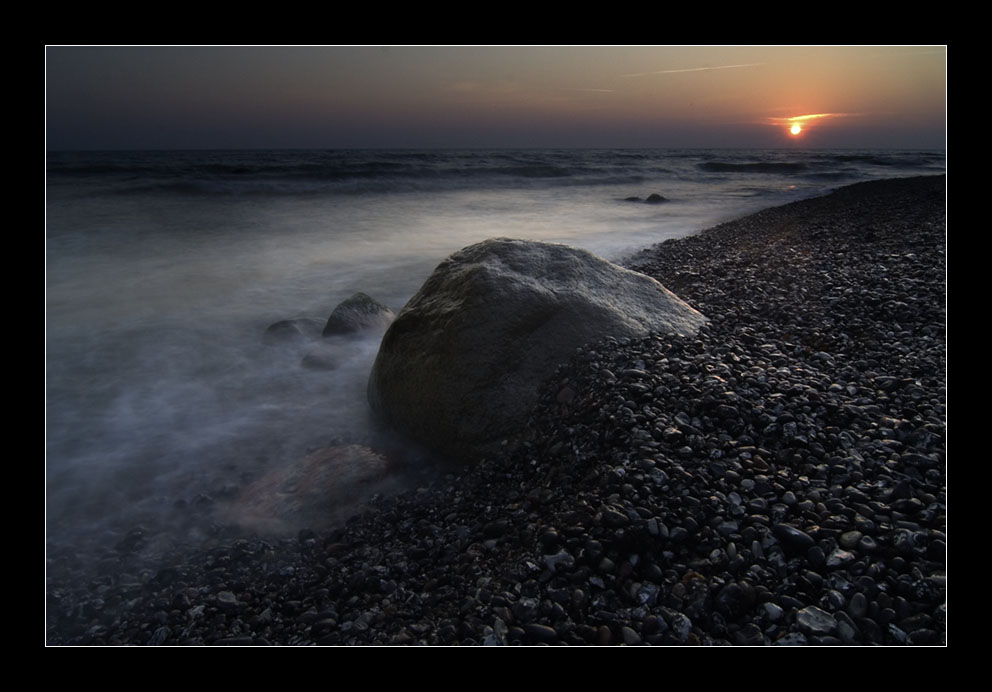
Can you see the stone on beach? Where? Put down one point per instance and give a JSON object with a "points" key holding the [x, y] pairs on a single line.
{"points": [[458, 369]]}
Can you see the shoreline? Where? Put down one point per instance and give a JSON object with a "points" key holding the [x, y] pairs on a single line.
{"points": [[778, 479]]}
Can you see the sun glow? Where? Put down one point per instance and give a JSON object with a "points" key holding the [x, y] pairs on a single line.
{"points": [[800, 124]]}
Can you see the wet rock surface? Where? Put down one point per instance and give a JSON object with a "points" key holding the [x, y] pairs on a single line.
{"points": [[775, 479]]}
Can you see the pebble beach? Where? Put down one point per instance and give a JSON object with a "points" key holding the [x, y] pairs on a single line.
{"points": [[776, 479]]}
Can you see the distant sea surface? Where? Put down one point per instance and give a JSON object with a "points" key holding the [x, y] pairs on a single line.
{"points": [[165, 268]]}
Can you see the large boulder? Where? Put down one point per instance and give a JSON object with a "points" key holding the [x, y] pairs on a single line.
{"points": [[458, 369]]}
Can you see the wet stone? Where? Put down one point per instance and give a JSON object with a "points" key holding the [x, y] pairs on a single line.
{"points": [[614, 518], [630, 637], [791, 639], [815, 621], [603, 635], [541, 633], [792, 537], [159, 637], [559, 561], [849, 539], [772, 611], [681, 626], [235, 641], [816, 556], [227, 600], [840, 558], [749, 635]]}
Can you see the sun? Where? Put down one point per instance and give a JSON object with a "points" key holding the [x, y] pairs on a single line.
{"points": [[795, 129]]}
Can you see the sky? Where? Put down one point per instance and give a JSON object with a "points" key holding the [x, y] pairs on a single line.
{"points": [[331, 97]]}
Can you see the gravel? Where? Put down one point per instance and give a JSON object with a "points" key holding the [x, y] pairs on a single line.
{"points": [[777, 479]]}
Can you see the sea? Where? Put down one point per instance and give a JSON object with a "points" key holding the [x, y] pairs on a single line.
{"points": [[163, 399]]}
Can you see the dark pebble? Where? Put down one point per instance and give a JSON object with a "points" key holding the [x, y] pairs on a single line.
{"points": [[540, 633], [235, 641], [793, 538]]}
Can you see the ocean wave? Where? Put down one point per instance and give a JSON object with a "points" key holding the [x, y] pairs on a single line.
{"points": [[757, 167], [347, 172], [533, 171]]}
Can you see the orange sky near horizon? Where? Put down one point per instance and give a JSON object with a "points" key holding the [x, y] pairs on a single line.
{"points": [[459, 96]]}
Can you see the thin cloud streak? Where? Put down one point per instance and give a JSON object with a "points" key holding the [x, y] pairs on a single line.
{"points": [[801, 119], [694, 69]]}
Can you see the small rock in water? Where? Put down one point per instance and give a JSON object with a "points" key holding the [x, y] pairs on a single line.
{"points": [[288, 331], [321, 357], [324, 486], [358, 312]]}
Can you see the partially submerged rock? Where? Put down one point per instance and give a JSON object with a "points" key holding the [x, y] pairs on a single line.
{"points": [[323, 488], [459, 367], [653, 198], [358, 312], [323, 356], [284, 331]]}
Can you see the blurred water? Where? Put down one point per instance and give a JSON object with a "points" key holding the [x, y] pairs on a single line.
{"points": [[163, 271]]}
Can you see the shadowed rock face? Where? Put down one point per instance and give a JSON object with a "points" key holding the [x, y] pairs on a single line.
{"points": [[458, 369]]}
